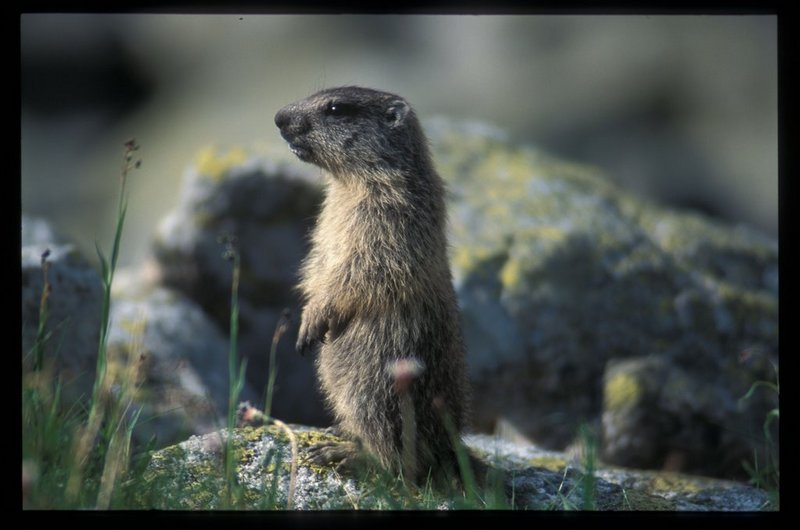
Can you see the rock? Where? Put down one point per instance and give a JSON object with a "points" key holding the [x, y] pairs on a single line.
{"points": [[73, 308], [262, 204], [175, 354], [559, 272], [37, 231], [269, 207], [656, 411], [190, 475], [182, 357]]}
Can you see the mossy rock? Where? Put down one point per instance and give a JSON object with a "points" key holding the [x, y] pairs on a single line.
{"points": [[191, 475], [559, 273]]}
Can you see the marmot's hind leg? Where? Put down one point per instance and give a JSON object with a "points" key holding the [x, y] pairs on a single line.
{"points": [[347, 457]]}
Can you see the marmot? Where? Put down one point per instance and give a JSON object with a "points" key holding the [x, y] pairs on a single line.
{"points": [[376, 283]]}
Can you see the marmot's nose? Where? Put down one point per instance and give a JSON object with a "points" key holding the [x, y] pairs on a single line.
{"points": [[291, 121], [282, 118]]}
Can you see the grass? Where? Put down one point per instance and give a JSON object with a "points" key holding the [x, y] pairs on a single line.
{"points": [[589, 463], [583, 496], [283, 324], [764, 471], [41, 334], [73, 458], [236, 373]]}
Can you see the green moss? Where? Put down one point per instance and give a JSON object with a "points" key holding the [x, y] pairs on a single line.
{"points": [[199, 483], [311, 438], [639, 501]]}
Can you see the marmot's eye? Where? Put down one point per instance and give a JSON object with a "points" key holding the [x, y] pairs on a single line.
{"points": [[335, 108]]}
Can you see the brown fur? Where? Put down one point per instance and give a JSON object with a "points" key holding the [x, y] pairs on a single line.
{"points": [[377, 283]]}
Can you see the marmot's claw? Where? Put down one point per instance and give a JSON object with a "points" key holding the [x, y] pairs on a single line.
{"points": [[312, 332], [344, 457], [304, 345]]}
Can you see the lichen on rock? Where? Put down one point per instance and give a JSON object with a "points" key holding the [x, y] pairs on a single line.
{"points": [[559, 273], [190, 475]]}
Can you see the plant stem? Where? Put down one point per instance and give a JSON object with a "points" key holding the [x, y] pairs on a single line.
{"points": [[235, 377], [280, 329], [41, 338]]}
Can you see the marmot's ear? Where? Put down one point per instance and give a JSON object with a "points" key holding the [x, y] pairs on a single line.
{"points": [[397, 112]]}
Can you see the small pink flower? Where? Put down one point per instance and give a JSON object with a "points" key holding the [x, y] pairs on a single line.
{"points": [[405, 371]]}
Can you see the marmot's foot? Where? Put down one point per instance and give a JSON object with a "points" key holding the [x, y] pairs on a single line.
{"points": [[337, 431], [347, 458]]}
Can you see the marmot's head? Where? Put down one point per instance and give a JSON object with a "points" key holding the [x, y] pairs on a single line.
{"points": [[349, 130]]}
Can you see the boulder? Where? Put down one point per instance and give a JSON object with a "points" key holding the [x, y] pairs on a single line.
{"points": [[72, 330], [161, 342], [182, 363], [37, 231], [190, 475], [561, 274], [268, 207]]}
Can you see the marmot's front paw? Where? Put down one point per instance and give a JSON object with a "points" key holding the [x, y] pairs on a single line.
{"points": [[313, 328], [303, 345], [318, 325], [306, 340]]}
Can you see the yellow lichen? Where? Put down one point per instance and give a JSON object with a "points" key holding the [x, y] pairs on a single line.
{"points": [[511, 274], [212, 163], [310, 438], [497, 212], [550, 233], [466, 258], [510, 171], [621, 390], [670, 482], [550, 463]]}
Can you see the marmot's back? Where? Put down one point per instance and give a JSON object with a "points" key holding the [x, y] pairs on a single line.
{"points": [[376, 282]]}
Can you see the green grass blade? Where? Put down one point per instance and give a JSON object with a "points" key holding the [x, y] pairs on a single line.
{"points": [[118, 234], [759, 384], [773, 415]]}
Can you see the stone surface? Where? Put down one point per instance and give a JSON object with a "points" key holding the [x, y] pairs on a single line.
{"points": [[183, 374], [190, 475], [37, 231], [558, 272], [176, 355], [268, 206], [73, 307]]}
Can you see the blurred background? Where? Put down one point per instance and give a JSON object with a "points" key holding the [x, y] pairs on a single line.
{"points": [[679, 108]]}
